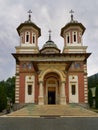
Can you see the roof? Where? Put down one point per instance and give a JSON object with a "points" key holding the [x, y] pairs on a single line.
{"points": [[31, 24], [72, 23]]}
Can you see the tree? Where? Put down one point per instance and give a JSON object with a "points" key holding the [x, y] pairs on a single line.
{"points": [[96, 98], [10, 88], [90, 98], [3, 97]]}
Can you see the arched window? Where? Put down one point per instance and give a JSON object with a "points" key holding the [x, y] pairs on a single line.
{"points": [[74, 36], [68, 38], [27, 37], [34, 39]]}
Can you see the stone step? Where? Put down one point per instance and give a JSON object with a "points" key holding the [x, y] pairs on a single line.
{"points": [[53, 111]]}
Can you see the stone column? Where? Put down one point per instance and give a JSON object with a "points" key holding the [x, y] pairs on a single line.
{"points": [[41, 93], [62, 94]]}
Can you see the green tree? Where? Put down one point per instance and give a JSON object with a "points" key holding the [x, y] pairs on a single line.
{"points": [[90, 98], [96, 98], [10, 88], [3, 97]]}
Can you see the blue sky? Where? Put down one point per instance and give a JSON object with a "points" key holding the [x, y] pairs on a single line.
{"points": [[47, 14]]}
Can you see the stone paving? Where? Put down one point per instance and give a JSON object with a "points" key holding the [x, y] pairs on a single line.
{"points": [[53, 110]]}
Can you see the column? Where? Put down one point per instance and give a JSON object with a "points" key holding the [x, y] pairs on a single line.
{"points": [[62, 94], [41, 93]]}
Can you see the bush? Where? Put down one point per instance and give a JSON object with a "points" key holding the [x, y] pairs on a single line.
{"points": [[90, 98]]}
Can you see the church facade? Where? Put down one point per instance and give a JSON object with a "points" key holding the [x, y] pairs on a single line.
{"points": [[47, 75]]}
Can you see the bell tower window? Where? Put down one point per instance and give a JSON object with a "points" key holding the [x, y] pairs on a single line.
{"points": [[68, 38], [74, 36], [27, 36], [34, 39]]}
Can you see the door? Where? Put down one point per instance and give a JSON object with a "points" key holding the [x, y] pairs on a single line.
{"points": [[51, 95]]}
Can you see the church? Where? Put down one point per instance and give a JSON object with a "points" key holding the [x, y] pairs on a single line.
{"points": [[49, 75]]}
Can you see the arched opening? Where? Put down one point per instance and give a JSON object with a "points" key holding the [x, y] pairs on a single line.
{"points": [[51, 88]]}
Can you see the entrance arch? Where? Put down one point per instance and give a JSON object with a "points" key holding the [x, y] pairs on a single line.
{"points": [[58, 92], [51, 88]]}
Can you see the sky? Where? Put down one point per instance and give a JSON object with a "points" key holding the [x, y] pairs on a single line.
{"points": [[46, 14]]}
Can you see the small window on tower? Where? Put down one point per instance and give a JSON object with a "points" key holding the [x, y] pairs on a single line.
{"points": [[27, 37], [73, 89], [34, 38], [74, 37], [29, 89], [68, 38]]}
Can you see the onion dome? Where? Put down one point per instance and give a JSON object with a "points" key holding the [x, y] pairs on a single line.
{"points": [[50, 47]]}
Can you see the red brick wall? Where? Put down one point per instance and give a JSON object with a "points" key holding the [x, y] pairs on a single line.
{"points": [[22, 88], [81, 87]]}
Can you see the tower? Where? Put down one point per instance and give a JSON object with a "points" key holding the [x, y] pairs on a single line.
{"points": [[72, 33], [29, 34]]}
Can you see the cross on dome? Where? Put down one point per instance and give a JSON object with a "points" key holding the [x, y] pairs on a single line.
{"points": [[71, 12], [49, 35], [29, 12]]}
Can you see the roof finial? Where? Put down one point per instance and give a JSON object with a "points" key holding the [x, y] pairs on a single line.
{"points": [[71, 12], [29, 14], [49, 35]]}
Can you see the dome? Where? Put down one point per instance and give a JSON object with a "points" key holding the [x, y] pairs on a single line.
{"points": [[50, 46]]}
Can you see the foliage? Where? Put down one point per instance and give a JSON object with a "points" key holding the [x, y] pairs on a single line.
{"points": [[96, 98], [90, 98], [10, 88], [3, 97], [93, 81], [7, 91]]}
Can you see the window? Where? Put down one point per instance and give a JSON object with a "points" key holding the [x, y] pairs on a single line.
{"points": [[73, 89], [27, 37], [34, 38], [74, 36], [29, 89], [67, 38]]}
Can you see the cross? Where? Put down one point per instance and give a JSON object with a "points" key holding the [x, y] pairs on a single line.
{"points": [[71, 12], [29, 14], [49, 35]]}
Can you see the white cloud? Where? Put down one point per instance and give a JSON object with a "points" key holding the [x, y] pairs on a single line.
{"points": [[47, 15]]}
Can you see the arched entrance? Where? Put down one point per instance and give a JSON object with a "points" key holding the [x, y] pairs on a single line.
{"points": [[52, 88]]}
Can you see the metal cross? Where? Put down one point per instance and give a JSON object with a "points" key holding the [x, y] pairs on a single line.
{"points": [[29, 14], [71, 12], [49, 35]]}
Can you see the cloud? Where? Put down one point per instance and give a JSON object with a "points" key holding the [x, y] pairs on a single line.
{"points": [[47, 15]]}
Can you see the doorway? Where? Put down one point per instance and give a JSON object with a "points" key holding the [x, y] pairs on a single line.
{"points": [[51, 95]]}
